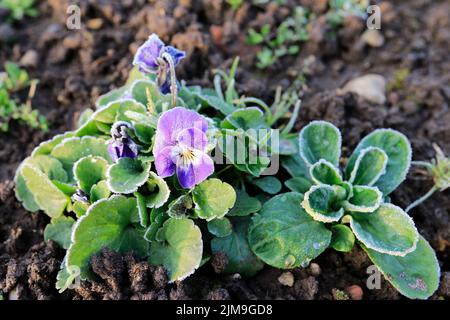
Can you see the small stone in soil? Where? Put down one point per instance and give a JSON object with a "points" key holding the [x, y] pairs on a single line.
{"points": [[314, 269], [355, 292], [286, 279], [371, 87], [373, 38], [29, 59]]}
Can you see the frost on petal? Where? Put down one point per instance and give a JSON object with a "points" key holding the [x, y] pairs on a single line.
{"points": [[196, 172], [165, 166], [147, 54]]}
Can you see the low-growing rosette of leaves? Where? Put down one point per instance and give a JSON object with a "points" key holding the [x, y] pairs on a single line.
{"points": [[137, 175]]}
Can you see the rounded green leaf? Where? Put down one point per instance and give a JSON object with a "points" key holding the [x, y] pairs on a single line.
{"points": [[213, 199], [129, 106], [157, 191], [72, 149], [88, 171], [269, 184], [46, 147], [240, 259], [59, 230], [244, 205], [364, 199], [415, 275], [298, 184], [179, 248], [387, 230], [283, 235], [180, 207], [107, 223], [142, 209], [110, 96], [220, 227], [127, 174], [99, 191], [320, 140], [246, 118], [397, 148], [322, 204], [342, 239], [45, 194], [324, 172], [369, 166]]}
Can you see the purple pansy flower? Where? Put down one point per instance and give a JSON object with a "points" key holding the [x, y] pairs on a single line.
{"points": [[180, 146], [148, 55], [121, 146]]}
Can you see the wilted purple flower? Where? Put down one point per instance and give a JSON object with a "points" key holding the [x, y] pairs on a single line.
{"points": [[121, 146], [148, 55], [180, 146]]}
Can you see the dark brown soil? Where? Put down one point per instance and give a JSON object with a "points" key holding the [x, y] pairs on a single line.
{"points": [[75, 67]]}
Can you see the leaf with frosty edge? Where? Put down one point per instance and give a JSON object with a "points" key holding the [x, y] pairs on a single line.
{"points": [[180, 207], [88, 171], [387, 230], [213, 199], [59, 230], [321, 202], [110, 223], [127, 174], [320, 140], [100, 190], [179, 248], [324, 172], [244, 205], [284, 236], [267, 184], [369, 166], [415, 275], [397, 148], [364, 199], [220, 227], [240, 258], [157, 191], [342, 239], [246, 118], [298, 184], [110, 96]]}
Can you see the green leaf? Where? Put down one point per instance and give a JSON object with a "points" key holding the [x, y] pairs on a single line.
{"points": [[46, 147], [283, 235], [298, 184], [110, 96], [320, 140], [213, 199], [295, 166], [323, 172], [142, 209], [369, 166], [398, 150], [99, 191], [342, 239], [387, 230], [127, 174], [142, 90], [45, 194], [66, 276], [270, 184], [220, 227], [88, 171], [322, 203], [180, 248], [72, 149], [128, 106], [244, 205], [246, 118], [216, 103], [180, 207], [157, 191], [80, 208], [59, 230], [240, 258], [107, 223], [364, 199], [415, 275]]}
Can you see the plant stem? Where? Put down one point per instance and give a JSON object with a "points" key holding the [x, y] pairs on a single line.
{"points": [[173, 78], [421, 199]]}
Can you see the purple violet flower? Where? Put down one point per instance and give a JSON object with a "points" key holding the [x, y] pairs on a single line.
{"points": [[180, 146], [121, 146], [148, 55]]}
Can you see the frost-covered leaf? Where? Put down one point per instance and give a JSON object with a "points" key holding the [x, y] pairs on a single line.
{"points": [[268, 184], [246, 118], [108, 223], [283, 235], [129, 106], [179, 248], [216, 103], [80, 208], [342, 239], [364, 199], [157, 191], [46, 147], [100, 190], [415, 275], [320, 140], [73, 149], [59, 230], [142, 209], [369, 166], [220, 227], [298, 184], [240, 259], [322, 203], [88, 171], [213, 199], [323, 172], [110, 96], [244, 205], [45, 194], [127, 174], [295, 166], [180, 207], [66, 276], [398, 150], [387, 230]]}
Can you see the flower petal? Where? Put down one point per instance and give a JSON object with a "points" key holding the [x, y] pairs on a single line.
{"points": [[147, 54], [177, 55], [165, 167], [193, 138], [196, 172]]}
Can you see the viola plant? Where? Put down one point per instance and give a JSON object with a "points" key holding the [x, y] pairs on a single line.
{"points": [[178, 173]]}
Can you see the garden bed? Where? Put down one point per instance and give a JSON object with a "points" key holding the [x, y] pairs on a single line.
{"points": [[75, 67]]}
